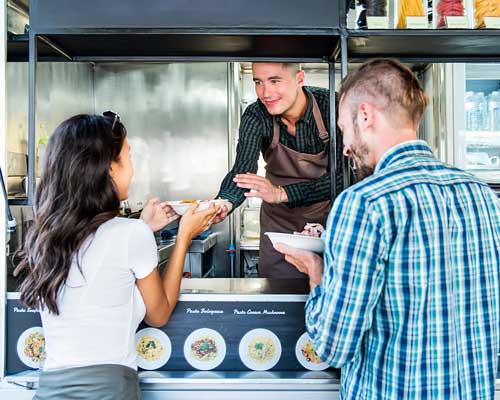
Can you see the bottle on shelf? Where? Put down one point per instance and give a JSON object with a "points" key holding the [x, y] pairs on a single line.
{"points": [[494, 111], [470, 111], [482, 111]]}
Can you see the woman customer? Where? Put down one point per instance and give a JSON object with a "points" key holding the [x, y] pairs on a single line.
{"points": [[92, 274]]}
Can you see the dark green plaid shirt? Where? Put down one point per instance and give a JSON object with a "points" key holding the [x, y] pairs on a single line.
{"points": [[256, 134]]}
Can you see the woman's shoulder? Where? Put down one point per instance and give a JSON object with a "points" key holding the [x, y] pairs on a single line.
{"points": [[123, 226]]}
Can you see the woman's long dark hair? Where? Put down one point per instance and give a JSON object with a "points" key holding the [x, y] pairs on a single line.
{"points": [[74, 196]]}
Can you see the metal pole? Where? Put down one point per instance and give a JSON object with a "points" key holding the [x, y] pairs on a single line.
{"points": [[346, 170], [233, 104], [32, 116], [333, 132], [343, 54]]}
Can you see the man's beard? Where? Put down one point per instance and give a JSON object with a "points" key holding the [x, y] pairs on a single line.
{"points": [[359, 156]]}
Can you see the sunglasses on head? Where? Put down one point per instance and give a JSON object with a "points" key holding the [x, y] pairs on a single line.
{"points": [[112, 114]]}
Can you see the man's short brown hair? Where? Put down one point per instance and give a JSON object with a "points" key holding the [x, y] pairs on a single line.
{"points": [[391, 86], [292, 67]]}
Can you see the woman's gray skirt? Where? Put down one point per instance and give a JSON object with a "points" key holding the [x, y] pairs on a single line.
{"points": [[96, 382]]}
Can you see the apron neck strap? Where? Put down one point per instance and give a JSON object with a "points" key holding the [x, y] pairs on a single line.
{"points": [[323, 133]]}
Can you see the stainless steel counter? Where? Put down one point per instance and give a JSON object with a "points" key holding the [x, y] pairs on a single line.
{"points": [[245, 286], [222, 385], [213, 385]]}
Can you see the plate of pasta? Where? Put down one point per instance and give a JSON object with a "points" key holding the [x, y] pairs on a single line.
{"points": [[307, 356], [260, 349], [204, 349], [153, 348], [181, 206], [31, 347]]}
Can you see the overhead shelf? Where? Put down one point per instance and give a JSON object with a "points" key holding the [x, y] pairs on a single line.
{"points": [[18, 50], [189, 45], [181, 14], [450, 45], [198, 29]]}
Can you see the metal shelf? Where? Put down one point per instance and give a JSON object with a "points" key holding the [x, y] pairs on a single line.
{"points": [[195, 30], [450, 45], [17, 50], [190, 45]]}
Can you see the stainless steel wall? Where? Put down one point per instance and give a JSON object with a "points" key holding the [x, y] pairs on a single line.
{"points": [[176, 116], [177, 121], [63, 89]]}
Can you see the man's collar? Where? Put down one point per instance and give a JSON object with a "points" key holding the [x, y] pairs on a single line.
{"points": [[401, 151]]}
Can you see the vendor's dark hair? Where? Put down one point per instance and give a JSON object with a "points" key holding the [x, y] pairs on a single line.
{"points": [[74, 196]]}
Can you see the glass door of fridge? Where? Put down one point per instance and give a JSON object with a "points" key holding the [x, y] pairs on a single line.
{"points": [[477, 120]]}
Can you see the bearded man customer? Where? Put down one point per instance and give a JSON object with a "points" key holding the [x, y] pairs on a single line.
{"points": [[406, 298]]}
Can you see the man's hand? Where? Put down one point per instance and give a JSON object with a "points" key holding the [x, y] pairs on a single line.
{"points": [[223, 212], [305, 261], [157, 215], [261, 187]]}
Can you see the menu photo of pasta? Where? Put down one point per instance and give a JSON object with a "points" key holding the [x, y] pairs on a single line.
{"points": [[204, 349], [153, 348], [260, 349], [31, 347], [307, 356]]}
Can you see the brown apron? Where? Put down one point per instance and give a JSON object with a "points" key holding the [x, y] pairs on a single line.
{"points": [[286, 166]]}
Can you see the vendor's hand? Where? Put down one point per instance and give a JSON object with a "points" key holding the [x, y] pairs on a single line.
{"points": [[157, 215], [224, 211], [194, 222], [314, 230], [261, 187], [305, 261]]}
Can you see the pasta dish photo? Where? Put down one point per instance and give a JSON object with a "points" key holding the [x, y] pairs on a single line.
{"points": [[261, 349], [309, 353], [204, 349], [34, 347], [149, 348]]}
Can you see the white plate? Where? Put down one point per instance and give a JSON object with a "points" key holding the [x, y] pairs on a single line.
{"points": [[249, 341], [26, 359], [202, 335], [302, 242], [180, 207], [158, 358], [310, 365]]}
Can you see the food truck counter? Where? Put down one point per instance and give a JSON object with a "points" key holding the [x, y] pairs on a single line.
{"points": [[227, 338]]}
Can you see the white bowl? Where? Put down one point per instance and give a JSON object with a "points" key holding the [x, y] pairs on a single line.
{"points": [[181, 208], [302, 242]]}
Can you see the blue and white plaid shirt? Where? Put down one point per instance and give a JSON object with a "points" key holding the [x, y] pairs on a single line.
{"points": [[409, 303]]}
